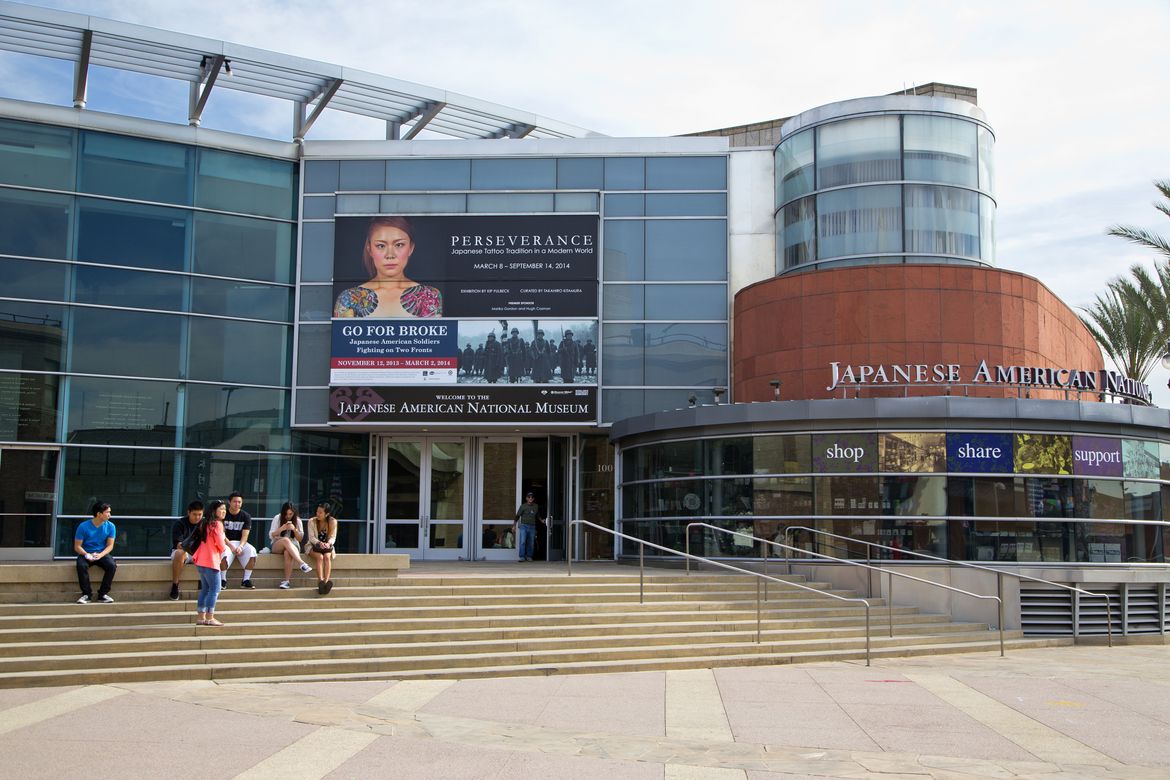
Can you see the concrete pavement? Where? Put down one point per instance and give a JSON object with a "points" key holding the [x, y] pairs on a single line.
{"points": [[1085, 712]]}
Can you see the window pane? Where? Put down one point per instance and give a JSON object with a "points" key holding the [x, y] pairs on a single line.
{"points": [[318, 208], [942, 220], [914, 495], [362, 175], [577, 201], [686, 302], [1040, 453], [1046, 497], [134, 168], [128, 234], [429, 174], [1142, 501], [510, 202], [34, 224], [444, 203], [625, 250], [245, 183], [690, 204], [858, 150], [579, 173], [36, 155], [28, 406], [986, 229], [316, 303], [782, 454], [240, 299], [624, 302], [357, 204], [625, 204], [135, 480], [236, 418], [132, 289], [320, 175], [939, 148], [619, 404], [313, 344], [316, 252], [686, 354], [32, 279], [686, 173], [986, 161], [1140, 458], [121, 411], [848, 496], [245, 352], [782, 496], [662, 400], [312, 407], [31, 335], [622, 353], [625, 173], [985, 497], [794, 166], [262, 479], [859, 221], [245, 248], [686, 249], [127, 343], [340, 481], [1100, 499], [798, 240], [513, 174], [912, 452]]}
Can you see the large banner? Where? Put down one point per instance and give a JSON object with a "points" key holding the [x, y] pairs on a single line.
{"points": [[423, 305]]}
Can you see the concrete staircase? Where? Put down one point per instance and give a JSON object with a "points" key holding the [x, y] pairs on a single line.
{"points": [[519, 619]]}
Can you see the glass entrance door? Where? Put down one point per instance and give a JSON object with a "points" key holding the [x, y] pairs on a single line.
{"points": [[424, 497], [500, 495]]}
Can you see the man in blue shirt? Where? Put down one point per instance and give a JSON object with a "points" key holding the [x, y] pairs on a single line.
{"points": [[93, 542]]}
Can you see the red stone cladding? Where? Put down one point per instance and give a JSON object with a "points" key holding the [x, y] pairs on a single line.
{"points": [[792, 327]]}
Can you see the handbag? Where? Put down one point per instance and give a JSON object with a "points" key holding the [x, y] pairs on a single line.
{"points": [[190, 543]]}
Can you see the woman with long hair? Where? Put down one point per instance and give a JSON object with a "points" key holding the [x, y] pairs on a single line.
{"points": [[206, 558], [389, 292], [287, 532], [321, 545]]}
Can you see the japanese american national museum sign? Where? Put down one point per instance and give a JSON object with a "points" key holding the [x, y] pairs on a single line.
{"points": [[909, 374]]}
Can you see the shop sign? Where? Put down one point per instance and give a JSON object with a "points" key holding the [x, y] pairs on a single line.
{"points": [[845, 453]]}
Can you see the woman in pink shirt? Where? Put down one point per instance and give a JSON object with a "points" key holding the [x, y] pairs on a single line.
{"points": [[206, 559]]}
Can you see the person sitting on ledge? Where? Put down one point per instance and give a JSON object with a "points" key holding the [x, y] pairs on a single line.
{"points": [[180, 530], [322, 538], [93, 542], [287, 532]]}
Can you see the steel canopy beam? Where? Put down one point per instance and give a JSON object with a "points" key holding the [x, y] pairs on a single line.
{"points": [[81, 72], [430, 113], [322, 102], [209, 70]]}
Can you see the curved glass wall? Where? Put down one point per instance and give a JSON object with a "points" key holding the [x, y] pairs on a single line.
{"points": [[978, 496], [145, 332], [897, 187]]}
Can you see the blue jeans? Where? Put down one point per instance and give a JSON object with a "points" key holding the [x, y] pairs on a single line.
{"points": [[527, 541], [209, 590]]}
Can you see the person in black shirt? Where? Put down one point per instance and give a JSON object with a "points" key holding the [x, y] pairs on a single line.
{"points": [[237, 525], [180, 530]]}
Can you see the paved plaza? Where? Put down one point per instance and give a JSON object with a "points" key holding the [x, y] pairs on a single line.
{"points": [[1083, 712]]}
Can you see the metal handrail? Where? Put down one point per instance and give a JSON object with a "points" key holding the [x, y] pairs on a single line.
{"points": [[889, 574], [760, 577], [964, 564]]}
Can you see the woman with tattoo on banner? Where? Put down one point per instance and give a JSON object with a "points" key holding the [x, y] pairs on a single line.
{"points": [[389, 292]]}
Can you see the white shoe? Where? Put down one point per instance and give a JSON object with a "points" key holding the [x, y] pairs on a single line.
{"points": [[284, 585], [306, 568], [83, 600]]}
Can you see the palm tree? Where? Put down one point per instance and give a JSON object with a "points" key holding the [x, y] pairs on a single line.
{"points": [[1119, 320]]}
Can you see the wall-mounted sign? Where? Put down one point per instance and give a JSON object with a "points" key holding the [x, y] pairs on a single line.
{"points": [[871, 375], [845, 453], [463, 404], [1096, 456], [979, 453]]}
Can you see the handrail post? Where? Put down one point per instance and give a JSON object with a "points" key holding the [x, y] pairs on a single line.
{"points": [[890, 601], [1109, 619], [687, 540], [869, 572], [641, 572], [759, 617], [867, 634], [999, 592], [569, 546], [766, 571]]}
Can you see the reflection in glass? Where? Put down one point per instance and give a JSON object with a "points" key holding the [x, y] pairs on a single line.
{"points": [[446, 536], [250, 248], [1100, 498], [782, 454], [782, 496], [28, 495], [28, 406], [132, 289], [1047, 497], [939, 149], [126, 342], [942, 221], [686, 354], [31, 336], [499, 480], [260, 477], [1142, 500], [236, 417], [798, 240], [251, 300], [794, 166], [447, 480], [233, 351], [397, 535], [133, 235], [134, 168], [985, 497], [136, 480], [623, 355], [848, 496], [36, 155], [34, 224], [986, 165], [245, 183], [33, 279], [340, 481], [403, 479], [121, 411], [686, 249], [914, 496]]}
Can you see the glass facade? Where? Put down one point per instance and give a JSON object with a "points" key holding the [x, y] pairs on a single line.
{"points": [[1043, 498], [146, 331], [892, 188]]}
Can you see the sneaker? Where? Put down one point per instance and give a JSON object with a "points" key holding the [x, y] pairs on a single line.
{"points": [[306, 568], [284, 585], [247, 584], [328, 586], [106, 599], [223, 584], [83, 600], [174, 592]]}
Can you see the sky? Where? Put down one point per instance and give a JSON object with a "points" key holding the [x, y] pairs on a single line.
{"points": [[1078, 94]]}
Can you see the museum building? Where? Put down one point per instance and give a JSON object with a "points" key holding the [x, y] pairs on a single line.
{"points": [[799, 322]]}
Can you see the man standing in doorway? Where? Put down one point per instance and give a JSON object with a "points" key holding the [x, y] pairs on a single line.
{"points": [[525, 526], [180, 530], [93, 542], [236, 528]]}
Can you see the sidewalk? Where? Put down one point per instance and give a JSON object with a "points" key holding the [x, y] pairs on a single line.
{"points": [[1057, 712]]}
